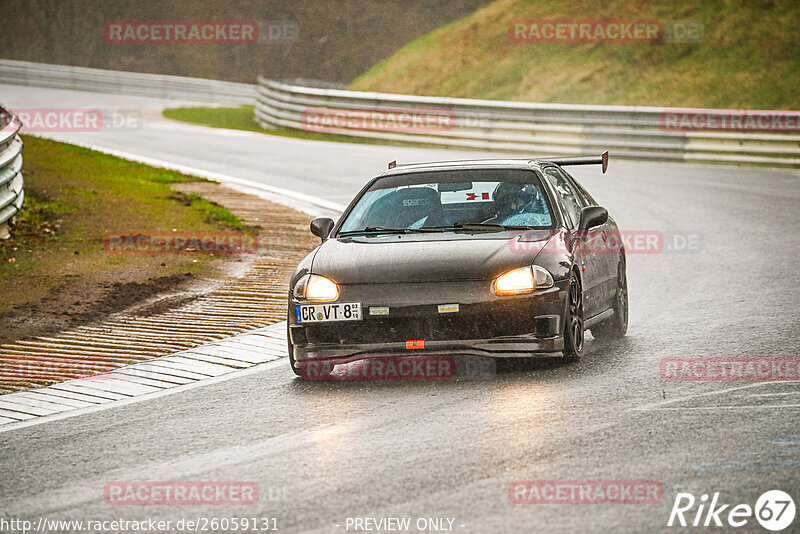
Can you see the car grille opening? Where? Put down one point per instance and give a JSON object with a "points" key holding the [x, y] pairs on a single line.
{"points": [[400, 329]]}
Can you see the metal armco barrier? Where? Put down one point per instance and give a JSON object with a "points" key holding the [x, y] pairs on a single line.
{"points": [[11, 192], [641, 133], [130, 83]]}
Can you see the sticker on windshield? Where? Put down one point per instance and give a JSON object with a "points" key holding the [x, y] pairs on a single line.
{"points": [[416, 202]]}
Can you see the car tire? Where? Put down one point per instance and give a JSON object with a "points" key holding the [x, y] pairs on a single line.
{"points": [[573, 323], [296, 369], [290, 347], [617, 326], [293, 364]]}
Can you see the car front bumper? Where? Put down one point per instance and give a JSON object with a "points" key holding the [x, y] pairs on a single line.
{"points": [[484, 325]]}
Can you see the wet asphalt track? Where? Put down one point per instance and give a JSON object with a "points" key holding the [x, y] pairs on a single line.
{"points": [[323, 452]]}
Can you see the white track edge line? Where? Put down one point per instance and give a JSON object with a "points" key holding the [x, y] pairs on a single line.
{"points": [[140, 398]]}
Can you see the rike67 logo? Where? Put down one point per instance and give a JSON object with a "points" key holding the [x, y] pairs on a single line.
{"points": [[774, 510]]}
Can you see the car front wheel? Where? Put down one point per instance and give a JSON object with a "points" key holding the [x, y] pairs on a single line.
{"points": [[290, 347]]}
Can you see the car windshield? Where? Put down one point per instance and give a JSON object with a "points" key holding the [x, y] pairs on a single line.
{"points": [[475, 199]]}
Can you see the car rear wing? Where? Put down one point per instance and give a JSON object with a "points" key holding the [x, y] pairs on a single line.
{"points": [[602, 159]]}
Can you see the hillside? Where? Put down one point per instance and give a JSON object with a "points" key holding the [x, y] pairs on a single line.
{"points": [[747, 57], [335, 40]]}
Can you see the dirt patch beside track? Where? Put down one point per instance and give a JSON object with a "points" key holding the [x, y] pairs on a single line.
{"points": [[169, 315]]}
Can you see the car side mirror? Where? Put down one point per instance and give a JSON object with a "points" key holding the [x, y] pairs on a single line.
{"points": [[592, 216], [321, 227]]}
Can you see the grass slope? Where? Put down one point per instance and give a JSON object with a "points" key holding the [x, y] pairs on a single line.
{"points": [[335, 39], [747, 58]]}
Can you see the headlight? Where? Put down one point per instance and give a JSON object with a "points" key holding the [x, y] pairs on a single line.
{"points": [[523, 280], [317, 288]]}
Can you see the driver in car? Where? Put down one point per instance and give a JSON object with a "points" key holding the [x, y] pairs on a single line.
{"points": [[510, 199]]}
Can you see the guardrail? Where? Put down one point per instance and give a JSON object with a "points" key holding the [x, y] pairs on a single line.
{"points": [[641, 133], [131, 83], [11, 183]]}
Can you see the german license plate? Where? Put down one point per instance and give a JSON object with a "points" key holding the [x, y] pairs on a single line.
{"points": [[321, 313]]}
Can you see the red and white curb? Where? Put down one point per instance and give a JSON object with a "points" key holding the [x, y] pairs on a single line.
{"points": [[215, 362]]}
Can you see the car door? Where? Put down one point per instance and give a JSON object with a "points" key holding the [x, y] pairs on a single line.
{"points": [[608, 247], [587, 260]]}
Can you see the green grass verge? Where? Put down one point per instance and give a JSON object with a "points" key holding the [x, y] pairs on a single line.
{"points": [[747, 57], [74, 196], [238, 118], [243, 118]]}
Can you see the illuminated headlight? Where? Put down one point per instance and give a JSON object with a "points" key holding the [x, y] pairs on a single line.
{"points": [[317, 288], [523, 280]]}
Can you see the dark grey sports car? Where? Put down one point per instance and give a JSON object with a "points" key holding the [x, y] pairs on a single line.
{"points": [[499, 258]]}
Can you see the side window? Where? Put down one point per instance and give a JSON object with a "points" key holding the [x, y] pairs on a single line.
{"points": [[588, 200], [566, 195]]}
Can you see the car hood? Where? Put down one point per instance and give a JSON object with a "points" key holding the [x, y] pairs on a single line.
{"points": [[425, 257]]}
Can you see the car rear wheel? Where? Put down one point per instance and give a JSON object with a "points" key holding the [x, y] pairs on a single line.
{"points": [[617, 325], [573, 324]]}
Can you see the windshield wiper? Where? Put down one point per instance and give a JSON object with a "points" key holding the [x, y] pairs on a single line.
{"points": [[466, 227], [376, 230], [485, 227]]}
